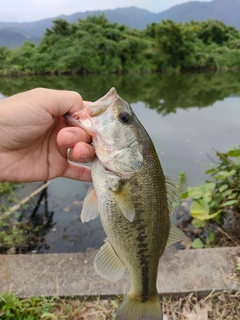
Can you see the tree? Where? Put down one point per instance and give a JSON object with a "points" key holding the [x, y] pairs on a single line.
{"points": [[176, 42], [61, 27]]}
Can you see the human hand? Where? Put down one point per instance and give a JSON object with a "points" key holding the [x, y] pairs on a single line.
{"points": [[34, 137]]}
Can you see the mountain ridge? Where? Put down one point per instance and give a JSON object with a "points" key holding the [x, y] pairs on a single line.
{"points": [[227, 11]]}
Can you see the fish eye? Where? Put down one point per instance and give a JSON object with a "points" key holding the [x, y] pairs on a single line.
{"points": [[125, 117]]}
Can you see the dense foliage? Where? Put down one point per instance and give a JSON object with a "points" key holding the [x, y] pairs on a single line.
{"points": [[95, 45], [216, 201], [213, 199]]}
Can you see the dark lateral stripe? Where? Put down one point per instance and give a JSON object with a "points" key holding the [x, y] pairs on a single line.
{"points": [[145, 282], [143, 256]]}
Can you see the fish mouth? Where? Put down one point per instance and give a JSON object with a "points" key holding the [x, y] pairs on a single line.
{"points": [[69, 117], [98, 107], [95, 109]]}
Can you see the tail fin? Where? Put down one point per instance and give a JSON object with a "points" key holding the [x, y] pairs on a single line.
{"points": [[133, 309]]}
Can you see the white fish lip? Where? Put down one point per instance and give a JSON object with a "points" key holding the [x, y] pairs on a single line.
{"points": [[100, 106], [83, 118], [80, 119], [71, 120]]}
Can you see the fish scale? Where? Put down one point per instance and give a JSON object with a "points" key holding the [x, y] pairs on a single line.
{"points": [[150, 227], [130, 194]]}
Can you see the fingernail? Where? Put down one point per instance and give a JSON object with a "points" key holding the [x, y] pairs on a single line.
{"points": [[86, 155], [69, 138]]}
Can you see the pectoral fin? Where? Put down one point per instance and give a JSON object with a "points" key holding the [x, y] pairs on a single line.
{"points": [[107, 263], [175, 235], [90, 207], [125, 203]]}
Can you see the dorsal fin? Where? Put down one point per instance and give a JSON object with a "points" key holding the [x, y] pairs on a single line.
{"points": [[172, 193], [175, 235]]}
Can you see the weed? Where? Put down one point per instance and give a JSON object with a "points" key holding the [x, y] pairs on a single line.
{"points": [[26, 309], [213, 200]]}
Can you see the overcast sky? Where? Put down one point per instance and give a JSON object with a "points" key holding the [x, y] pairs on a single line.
{"points": [[32, 10]]}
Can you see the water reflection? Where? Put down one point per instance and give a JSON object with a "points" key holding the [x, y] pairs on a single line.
{"points": [[163, 92], [24, 227], [69, 233]]}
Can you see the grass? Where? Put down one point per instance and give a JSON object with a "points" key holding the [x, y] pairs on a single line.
{"points": [[55, 308], [217, 305]]}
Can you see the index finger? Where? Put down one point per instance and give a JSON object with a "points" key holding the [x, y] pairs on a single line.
{"points": [[58, 102]]}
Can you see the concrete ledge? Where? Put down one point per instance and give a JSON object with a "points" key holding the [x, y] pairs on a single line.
{"points": [[73, 274]]}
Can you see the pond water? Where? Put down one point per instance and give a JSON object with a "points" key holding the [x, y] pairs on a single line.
{"points": [[186, 115]]}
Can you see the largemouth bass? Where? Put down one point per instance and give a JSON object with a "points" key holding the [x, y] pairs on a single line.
{"points": [[130, 194]]}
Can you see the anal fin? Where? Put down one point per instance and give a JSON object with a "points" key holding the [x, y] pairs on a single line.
{"points": [[107, 263]]}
